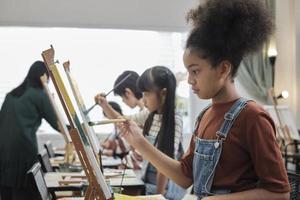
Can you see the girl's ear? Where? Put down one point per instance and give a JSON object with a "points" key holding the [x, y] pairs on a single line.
{"points": [[128, 92], [225, 68]]}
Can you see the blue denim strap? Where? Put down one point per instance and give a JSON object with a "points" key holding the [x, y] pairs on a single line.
{"points": [[230, 117], [200, 117]]}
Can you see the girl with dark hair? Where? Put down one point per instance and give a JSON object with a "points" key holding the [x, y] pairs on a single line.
{"points": [[161, 125], [21, 114], [233, 153]]}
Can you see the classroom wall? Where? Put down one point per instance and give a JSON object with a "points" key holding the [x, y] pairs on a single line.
{"points": [[297, 66], [287, 67]]}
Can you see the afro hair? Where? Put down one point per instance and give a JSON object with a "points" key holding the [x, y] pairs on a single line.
{"points": [[228, 30]]}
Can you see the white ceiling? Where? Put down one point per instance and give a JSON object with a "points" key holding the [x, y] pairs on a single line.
{"points": [[165, 15]]}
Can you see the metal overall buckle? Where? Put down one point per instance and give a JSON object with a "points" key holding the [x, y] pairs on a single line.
{"points": [[220, 139]]}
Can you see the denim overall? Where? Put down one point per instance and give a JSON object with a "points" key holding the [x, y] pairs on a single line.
{"points": [[150, 171], [207, 152], [173, 192]]}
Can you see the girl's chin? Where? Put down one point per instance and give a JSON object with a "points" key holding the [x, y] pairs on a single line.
{"points": [[198, 94], [201, 96]]}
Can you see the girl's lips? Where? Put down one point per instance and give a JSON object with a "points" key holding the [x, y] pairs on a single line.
{"points": [[195, 90]]}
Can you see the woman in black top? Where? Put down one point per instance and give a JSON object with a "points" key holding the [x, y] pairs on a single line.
{"points": [[21, 114]]}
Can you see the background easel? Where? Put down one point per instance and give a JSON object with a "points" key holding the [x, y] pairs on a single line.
{"points": [[82, 108], [290, 140], [284, 135], [69, 156], [97, 188]]}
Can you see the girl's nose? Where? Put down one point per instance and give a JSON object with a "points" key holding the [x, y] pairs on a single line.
{"points": [[191, 81]]}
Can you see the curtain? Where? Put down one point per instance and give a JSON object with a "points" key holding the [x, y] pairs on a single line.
{"points": [[256, 73]]}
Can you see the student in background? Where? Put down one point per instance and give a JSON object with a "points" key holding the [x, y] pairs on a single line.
{"points": [[128, 91], [233, 153], [115, 145], [162, 127], [132, 97], [21, 114]]}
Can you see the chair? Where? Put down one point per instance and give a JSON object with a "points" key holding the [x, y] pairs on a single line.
{"points": [[44, 160], [294, 180], [292, 157], [36, 174], [50, 150], [48, 146]]}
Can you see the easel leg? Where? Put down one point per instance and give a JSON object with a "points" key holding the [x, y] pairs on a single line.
{"points": [[88, 193]]}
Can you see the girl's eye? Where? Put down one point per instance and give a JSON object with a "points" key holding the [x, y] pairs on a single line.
{"points": [[195, 72], [146, 93]]}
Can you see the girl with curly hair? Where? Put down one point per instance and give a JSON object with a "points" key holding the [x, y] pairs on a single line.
{"points": [[233, 153]]}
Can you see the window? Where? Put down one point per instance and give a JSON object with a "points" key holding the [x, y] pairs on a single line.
{"points": [[97, 57]]}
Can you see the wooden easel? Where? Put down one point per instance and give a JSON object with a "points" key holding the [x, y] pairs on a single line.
{"points": [[69, 155], [97, 188], [284, 129], [82, 108]]}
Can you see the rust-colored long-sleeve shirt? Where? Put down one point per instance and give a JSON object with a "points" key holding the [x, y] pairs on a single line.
{"points": [[250, 157]]}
